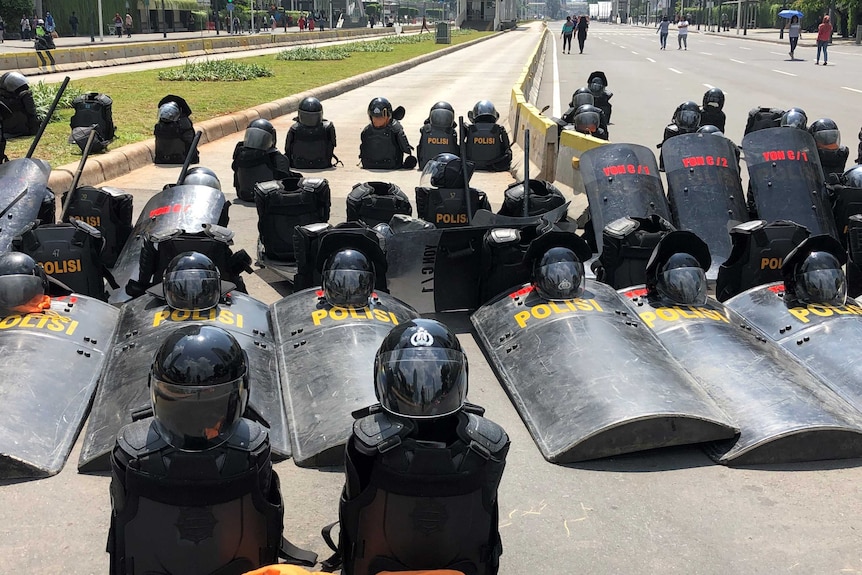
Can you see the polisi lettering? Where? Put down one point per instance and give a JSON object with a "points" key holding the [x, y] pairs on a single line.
{"points": [[771, 263], [823, 310], [95, 221], [693, 161], [679, 313], [341, 313], [484, 140], [175, 208], [543, 310], [778, 155], [442, 141], [62, 267], [429, 259], [451, 218], [224, 316], [49, 320], [620, 169]]}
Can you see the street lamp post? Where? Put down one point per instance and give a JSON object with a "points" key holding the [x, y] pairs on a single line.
{"points": [[164, 22]]}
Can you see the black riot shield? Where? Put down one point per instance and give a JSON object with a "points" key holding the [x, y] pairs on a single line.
{"points": [[144, 323], [186, 207], [326, 363], [590, 380], [823, 337], [784, 412], [52, 363], [621, 180], [23, 188], [787, 180], [704, 190]]}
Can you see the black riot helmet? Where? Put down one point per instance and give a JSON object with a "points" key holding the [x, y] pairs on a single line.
{"points": [[795, 118], [713, 98], [813, 274], [347, 278], [192, 282], [442, 115], [310, 112], [13, 81], [23, 284], [687, 115], [682, 280], [587, 119], [380, 112], [169, 112], [853, 177], [596, 86], [558, 275], [484, 108], [582, 97], [709, 129], [260, 135], [420, 371], [826, 134], [202, 176], [199, 387], [444, 171]]}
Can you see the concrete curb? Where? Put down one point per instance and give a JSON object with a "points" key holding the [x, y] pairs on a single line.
{"points": [[125, 159]]}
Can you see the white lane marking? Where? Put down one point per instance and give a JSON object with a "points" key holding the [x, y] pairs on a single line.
{"points": [[555, 99], [705, 53], [651, 60], [709, 86], [778, 53], [852, 89], [718, 44], [635, 53], [737, 61], [674, 70], [782, 72], [623, 47], [744, 48]]}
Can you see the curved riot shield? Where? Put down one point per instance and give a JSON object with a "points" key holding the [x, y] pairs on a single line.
{"points": [[185, 207], [326, 362], [621, 180], [52, 362], [590, 380], [784, 413], [704, 190], [787, 180], [820, 336], [144, 323], [23, 188]]}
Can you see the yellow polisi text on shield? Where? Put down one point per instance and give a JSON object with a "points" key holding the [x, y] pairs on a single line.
{"points": [[681, 313], [342, 313], [48, 320], [223, 316], [804, 314], [543, 310]]}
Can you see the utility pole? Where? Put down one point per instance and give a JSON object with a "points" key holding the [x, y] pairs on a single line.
{"points": [[164, 22]]}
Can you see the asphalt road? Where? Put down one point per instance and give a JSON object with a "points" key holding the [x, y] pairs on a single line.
{"points": [[671, 511]]}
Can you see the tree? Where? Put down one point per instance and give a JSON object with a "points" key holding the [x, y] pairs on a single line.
{"points": [[553, 8], [11, 11]]}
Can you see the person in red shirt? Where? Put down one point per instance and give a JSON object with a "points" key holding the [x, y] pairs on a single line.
{"points": [[824, 36]]}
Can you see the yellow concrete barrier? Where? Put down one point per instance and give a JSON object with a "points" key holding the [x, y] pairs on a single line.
{"points": [[570, 147], [543, 140], [515, 103]]}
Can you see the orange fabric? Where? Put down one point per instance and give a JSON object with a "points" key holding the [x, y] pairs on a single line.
{"points": [[278, 570], [36, 305], [434, 572]]}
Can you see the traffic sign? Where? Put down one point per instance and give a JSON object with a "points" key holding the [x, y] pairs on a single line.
{"points": [[230, 7]]}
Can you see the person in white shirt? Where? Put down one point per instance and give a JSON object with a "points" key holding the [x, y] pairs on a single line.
{"points": [[682, 33]]}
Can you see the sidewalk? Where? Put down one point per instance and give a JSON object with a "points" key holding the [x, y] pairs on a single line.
{"points": [[770, 35]]}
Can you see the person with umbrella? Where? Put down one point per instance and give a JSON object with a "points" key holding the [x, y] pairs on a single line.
{"points": [[794, 30]]}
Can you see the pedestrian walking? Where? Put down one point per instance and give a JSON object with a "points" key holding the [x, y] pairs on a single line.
{"points": [[49, 23], [583, 24], [310, 23], [424, 27], [663, 30], [2, 30], [301, 22], [824, 36], [793, 33], [73, 23], [128, 22], [25, 27], [682, 33], [568, 32], [118, 24]]}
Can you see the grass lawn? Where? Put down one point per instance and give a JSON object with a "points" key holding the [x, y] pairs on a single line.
{"points": [[136, 94]]}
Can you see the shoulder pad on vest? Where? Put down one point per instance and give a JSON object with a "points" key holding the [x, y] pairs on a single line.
{"points": [[140, 437], [503, 236], [157, 237], [484, 432], [748, 227], [84, 226], [621, 228], [313, 183], [380, 431], [248, 436], [268, 186], [219, 233]]}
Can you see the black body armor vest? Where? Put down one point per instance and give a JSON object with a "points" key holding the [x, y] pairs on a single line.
{"points": [[94, 108], [21, 119], [173, 142], [281, 206], [379, 149], [414, 501], [544, 197], [447, 207], [710, 116], [376, 202], [627, 244], [251, 166], [433, 141], [833, 161], [488, 147], [758, 251], [311, 147], [854, 251], [193, 513], [307, 241], [71, 253], [107, 209]]}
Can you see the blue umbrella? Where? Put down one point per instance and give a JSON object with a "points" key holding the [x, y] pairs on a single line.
{"points": [[789, 14]]}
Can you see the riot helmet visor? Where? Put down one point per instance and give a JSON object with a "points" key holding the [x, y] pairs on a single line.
{"points": [[22, 293], [421, 382], [583, 99], [827, 139], [192, 290], [258, 139], [688, 119], [347, 288], [441, 118], [684, 285], [587, 122], [820, 280]]}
